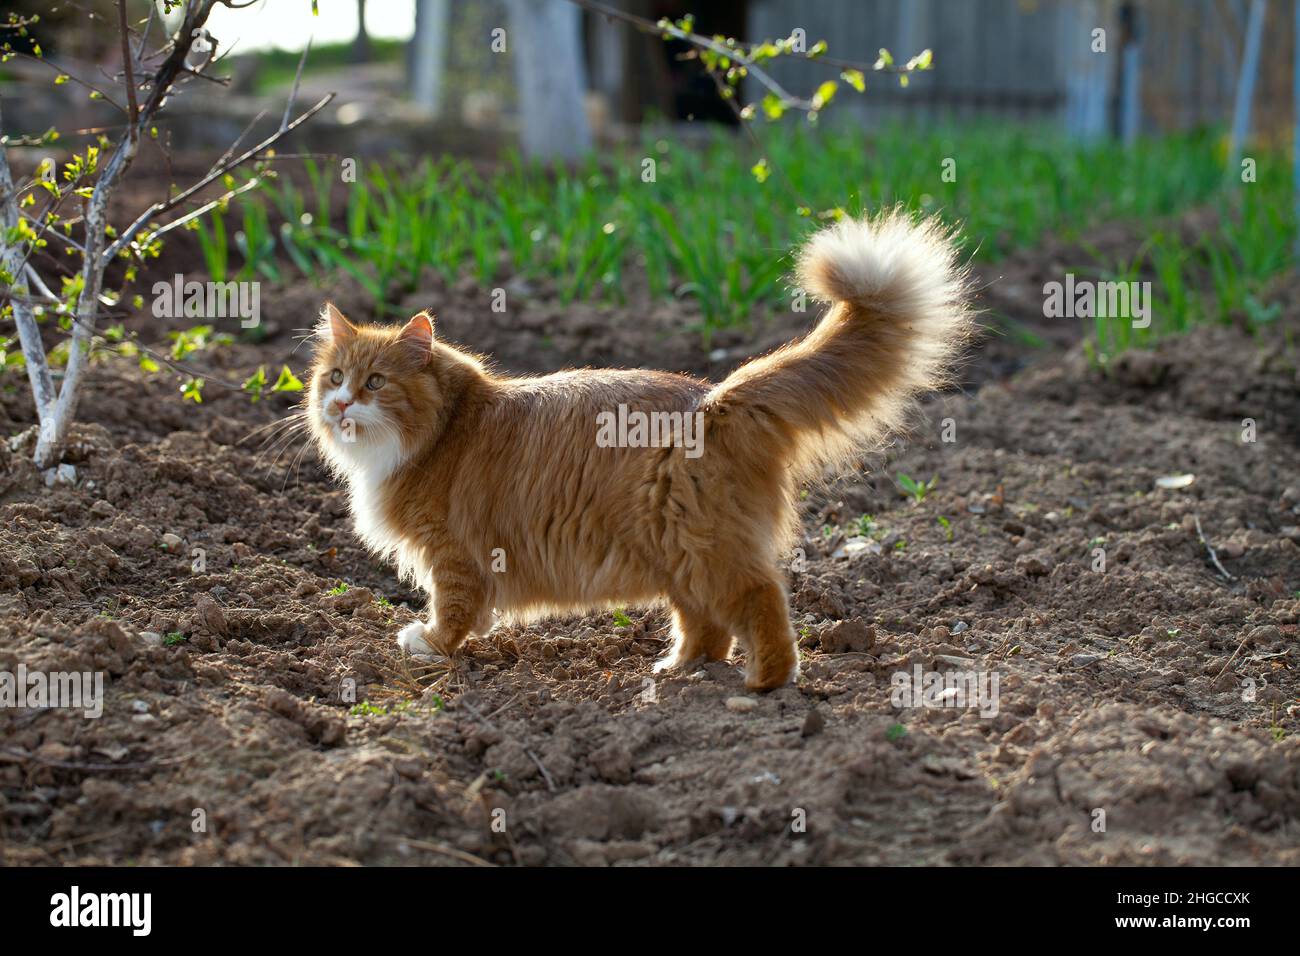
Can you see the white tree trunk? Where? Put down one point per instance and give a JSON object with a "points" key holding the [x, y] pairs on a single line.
{"points": [[429, 53], [13, 259], [1130, 94], [550, 73], [1246, 86], [1087, 73]]}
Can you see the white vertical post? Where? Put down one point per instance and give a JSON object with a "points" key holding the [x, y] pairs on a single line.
{"points": [[429, 53], [1130, 99], [1087, 79], [550, 70], [1246, 85]]}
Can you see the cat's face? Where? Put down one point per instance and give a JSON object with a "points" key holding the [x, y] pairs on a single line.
{"points": [[370, 390]]}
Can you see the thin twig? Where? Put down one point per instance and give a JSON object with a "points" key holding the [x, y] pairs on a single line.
{"points": [[1233, 657], [133, 107], [230, 150], [445, 851], [297, 78], [75, 79], [550, 783], [736, 53], [1214, 557], [160, 207], [144, 35]]}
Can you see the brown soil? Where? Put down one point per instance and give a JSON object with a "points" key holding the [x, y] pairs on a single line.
{"points": [[1121, 691]]}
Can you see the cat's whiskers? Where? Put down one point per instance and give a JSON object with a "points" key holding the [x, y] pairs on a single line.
{"points": [[280, 436], [294, 466], [296, 417], [307, 335], [277, 450]]}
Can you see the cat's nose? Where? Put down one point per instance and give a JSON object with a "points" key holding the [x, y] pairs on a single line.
{"points": [[341, 406]]}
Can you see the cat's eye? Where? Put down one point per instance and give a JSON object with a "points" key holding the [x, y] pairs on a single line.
{"points": [[336, 377], [375, 382]]}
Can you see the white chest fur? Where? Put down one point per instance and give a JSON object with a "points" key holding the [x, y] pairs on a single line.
{"points": [[369, 470]]}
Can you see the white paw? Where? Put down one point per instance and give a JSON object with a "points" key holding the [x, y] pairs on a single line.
{"points": [[411, 639], [670, 663]]}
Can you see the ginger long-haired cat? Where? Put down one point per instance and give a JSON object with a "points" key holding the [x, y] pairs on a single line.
{"points": [[558, 493]]}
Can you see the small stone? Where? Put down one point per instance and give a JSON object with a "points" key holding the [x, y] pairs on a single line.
{"points": [[952, 660], [210, 614], [113, 752], [741, 705], [1032, 566], [139, 706], [63, 475], [960, 626], [853, 635], [54, 750], [813, 724], [613, 763], [1083, 660], [102, 509], [151, 637], [172, 542]]}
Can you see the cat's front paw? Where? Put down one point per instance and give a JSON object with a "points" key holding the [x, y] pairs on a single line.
{"points": [[412, 639], [675, 663]]}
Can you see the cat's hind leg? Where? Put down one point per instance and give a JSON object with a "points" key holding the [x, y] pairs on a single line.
{"points": [[761, 613], [696, 633]]}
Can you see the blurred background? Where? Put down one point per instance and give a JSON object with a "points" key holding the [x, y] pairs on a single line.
{"points": [[428, 66], [1039, 118]]}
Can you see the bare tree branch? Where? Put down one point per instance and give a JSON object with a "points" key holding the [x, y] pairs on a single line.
{"points": [[147, 90], [160, 207], [297, 78], [29, 333]]}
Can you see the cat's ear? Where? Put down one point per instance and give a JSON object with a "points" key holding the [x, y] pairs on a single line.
{"points": [[334, 325], [417, 334]]}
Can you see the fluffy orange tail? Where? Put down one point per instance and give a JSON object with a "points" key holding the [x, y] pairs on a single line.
{"points": [[899, 314]]}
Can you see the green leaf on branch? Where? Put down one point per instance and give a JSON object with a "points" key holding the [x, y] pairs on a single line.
{"points": [[255, 384], [922, 61], [773, 107], [855, 79], [825, 93], [287, 382], [192, 391]]}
